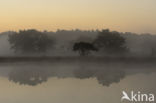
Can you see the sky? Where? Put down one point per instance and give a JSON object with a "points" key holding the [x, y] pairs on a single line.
{"points": [[138, 16]]}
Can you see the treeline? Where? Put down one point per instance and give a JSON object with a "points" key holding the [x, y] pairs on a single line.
{"points": [[83, 43], [33, 41]]}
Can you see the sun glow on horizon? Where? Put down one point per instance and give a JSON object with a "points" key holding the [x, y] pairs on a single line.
{"points": [[122, 15]]}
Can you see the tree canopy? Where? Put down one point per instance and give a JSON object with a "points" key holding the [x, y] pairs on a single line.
{"points": [[30, 41], [111, 42], [84, 48]]}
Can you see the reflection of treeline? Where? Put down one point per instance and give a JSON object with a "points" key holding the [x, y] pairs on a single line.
{"points": [[105, 76], [28, 76], [97, 42], [35, 76]]}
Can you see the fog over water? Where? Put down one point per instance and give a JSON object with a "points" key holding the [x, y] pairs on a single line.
{"points": [[77, 79], [84, 59], [73, 82]]}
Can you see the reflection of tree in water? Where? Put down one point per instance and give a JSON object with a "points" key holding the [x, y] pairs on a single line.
{"points": [[29, 76], [107, 77], [35, 76], [104, 76]]}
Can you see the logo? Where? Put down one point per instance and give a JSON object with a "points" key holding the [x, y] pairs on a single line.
{"points": [[137, 97]]}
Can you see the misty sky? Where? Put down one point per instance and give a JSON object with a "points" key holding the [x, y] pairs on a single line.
{"points": [[122, 15]]}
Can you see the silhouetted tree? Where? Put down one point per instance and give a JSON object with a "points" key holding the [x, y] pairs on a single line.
{"points": [[111, 42], [84, 48], [30, 41]]}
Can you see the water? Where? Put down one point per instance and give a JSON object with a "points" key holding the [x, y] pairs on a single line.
{"points": [[77, 82]]}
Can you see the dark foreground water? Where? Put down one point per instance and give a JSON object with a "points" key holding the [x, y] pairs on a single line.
{"points": [[78, 82]]}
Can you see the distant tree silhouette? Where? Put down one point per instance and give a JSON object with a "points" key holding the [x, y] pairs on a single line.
{"points": [[84, 48], [111, 42], [30, 41]]}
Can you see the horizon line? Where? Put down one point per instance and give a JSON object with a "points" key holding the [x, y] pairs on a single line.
{"points": [[76, 29]]}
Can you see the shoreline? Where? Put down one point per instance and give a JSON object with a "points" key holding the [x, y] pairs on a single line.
{"points": [[79, 59]]}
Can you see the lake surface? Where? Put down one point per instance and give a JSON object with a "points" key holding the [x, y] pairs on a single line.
{"points": [[47, 82]]}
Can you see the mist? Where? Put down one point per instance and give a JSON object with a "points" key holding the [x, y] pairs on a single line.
{"points": [[139, 44], [5, 48], [106, 74]]}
